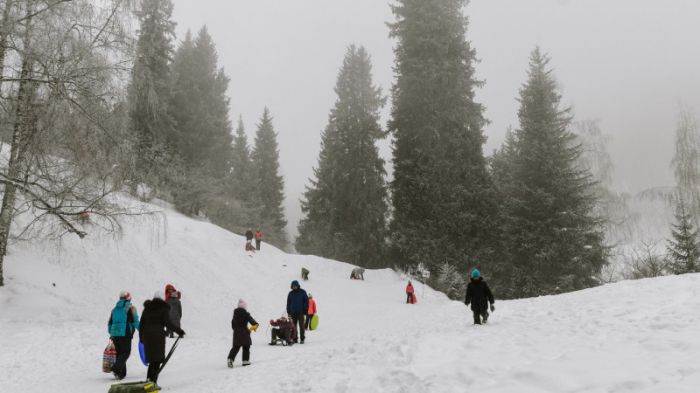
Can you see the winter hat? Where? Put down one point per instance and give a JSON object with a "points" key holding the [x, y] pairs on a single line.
{"points": [[310, 295], [242, 304], [125, 295], [295, 283], [476, 273], [159, 295]]}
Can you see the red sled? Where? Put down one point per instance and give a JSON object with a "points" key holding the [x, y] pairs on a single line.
{"points": [[414, 299]]}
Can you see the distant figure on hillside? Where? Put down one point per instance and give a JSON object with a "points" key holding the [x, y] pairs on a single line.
{"points": [[123, 322], [297, 307], [241, 333], [249, 240], [172, 297], [410, 292], [154, 321], [305, 274], [312, 311], [258, 239], [283, 330], [479, 295], [357, 273]]}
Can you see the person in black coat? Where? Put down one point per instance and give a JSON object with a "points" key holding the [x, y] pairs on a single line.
{"points": [[154, 321], [241, 333], [479, 295], [297, 307]]}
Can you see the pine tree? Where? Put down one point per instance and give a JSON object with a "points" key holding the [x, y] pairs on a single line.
{"points": [[684, 249], [553, 240], [346, 205], [241, 165], [443, 198], [200, 108], [268, 183], [149, 94]]}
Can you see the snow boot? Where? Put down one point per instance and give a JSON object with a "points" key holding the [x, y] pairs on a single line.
{"points": [[230, 363], [246, 363]]}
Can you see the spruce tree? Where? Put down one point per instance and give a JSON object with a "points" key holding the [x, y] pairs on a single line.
{"points": [[268, 183], [200, 108], [683, 249], [346, 205], [241, 165], [553, 239], [443, 198], [151, 123]]}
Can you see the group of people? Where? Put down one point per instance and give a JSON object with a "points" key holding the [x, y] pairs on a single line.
{"points": [[249, 235], [288, 329], [161, 316]]}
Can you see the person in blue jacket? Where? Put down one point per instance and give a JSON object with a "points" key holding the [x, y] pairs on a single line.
{"points": [[297, 307], [123, 322]]}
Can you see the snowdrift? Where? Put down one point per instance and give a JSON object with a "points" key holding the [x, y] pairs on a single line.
{"points": [[637, 336]]}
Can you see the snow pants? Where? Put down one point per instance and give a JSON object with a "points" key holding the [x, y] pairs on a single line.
{"points": [[279, 333], [234, 352], [308, 321], [153, 371], [409, 298], [479, 315], [299, 322], [123, 347], [257, 244]]}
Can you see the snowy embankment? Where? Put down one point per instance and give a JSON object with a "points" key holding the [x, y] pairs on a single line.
{"points": [[641, 336]]}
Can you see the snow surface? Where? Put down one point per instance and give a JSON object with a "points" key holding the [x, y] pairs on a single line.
{"points": [[640, 336]]}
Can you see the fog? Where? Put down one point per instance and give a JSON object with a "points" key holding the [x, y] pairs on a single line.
{"points": [[626, 63]]}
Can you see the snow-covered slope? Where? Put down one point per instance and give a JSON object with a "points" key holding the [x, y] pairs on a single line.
{"points": [[641, 336]]}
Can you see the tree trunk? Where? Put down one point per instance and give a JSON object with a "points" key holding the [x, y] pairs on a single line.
{"points": [[15, 162], [5, 30]]}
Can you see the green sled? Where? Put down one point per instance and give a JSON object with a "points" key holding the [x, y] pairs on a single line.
{"points": [[313, 325], [135, 387]]}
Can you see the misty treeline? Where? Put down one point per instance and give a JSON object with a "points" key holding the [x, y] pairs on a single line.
{"points": [[96, 99], [539, 216]]}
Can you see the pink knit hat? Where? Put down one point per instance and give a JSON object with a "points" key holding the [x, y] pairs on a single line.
{"points": [[242, 304]]}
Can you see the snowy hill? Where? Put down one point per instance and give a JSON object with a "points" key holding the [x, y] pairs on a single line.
{"points": [[637, 336]]}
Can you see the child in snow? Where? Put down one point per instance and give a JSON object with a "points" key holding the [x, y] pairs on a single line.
{"points": [[123, 322], [155, 319], [479, 295], [409, 292], [248, 239], [305, 274], [241, 333], [312, 311], [172, 297], [283, 329]]}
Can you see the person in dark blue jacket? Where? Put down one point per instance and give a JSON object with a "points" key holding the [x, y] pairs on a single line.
{"points": [[123, 322], [297, 307]]}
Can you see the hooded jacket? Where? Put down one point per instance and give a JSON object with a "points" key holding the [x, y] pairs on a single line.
{"points": [[239, 324], [297, 300], [124, 320], [478, 294], [155, 318]]}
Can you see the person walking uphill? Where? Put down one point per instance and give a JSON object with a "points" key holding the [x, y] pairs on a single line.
{"points": [[123, 322], [154, 321], [172, 297], [241, 333], [409, 293], [249, 240], [297, 307], [258, 239], [479, 295]]}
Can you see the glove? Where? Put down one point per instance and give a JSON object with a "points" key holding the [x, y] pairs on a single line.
{"points": [[493, 308], [272, 321], [254, 328], [181, 334]]}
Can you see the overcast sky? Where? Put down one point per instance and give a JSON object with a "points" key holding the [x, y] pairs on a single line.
{"points": [[626, 63]]}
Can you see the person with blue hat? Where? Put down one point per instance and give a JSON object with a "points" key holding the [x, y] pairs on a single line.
{"points": [[479, 295]]}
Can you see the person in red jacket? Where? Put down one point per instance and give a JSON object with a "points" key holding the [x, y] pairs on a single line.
{"points": [[409, 293], [312, 311], [258, 239]]}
